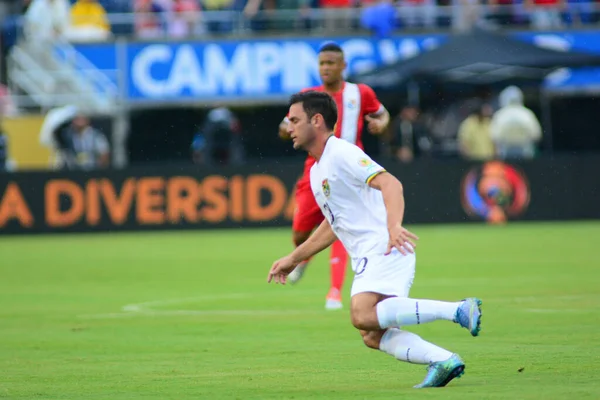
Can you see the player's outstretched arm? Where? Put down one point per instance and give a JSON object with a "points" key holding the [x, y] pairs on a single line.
{"points": [[322, 238], [393, 197]]}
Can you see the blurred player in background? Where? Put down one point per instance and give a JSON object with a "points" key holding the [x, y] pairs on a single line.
{"points": [[363, 207], [355, 104]]}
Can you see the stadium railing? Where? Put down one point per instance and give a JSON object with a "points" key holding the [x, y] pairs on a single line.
{"points": [[316, 20]]}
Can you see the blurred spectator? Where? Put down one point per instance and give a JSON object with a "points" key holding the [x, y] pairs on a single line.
{"points": [[46, 20], [149, 19], [184, 19], [222, 138], [88, 22], [514, 128], [418, 13], [545, 14], [337, 14], [474, 137], [379, 18], [120, 25], [117, 6], [7, 105], [223, 22], [80, 146], [409, 138], [297, 14], [198, 149], [501, 12], [579, 12], [89, 145], [465, 14], [520, 13], [443, 120]]}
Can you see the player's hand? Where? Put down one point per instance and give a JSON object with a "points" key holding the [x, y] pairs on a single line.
{"points": [[283, 132], [401, 239], [374, 125], [281, 269]]}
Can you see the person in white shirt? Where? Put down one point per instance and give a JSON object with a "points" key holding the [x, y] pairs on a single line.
{"points": [[363, 206], [46, 21], [514, 129]]}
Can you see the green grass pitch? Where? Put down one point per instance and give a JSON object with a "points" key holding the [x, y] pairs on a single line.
{"points": [[188, 315]]}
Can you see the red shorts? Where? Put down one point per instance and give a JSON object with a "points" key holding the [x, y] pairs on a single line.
{"points": [[307, 215]]}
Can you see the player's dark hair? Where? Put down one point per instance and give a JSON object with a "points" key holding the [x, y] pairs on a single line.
{"points": [[317, 103], [331, 47]]}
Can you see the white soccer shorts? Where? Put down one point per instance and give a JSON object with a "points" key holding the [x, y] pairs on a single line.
{"points": [[390, 275]]}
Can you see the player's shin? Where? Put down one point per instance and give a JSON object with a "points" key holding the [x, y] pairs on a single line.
{"points": [[396, 311], [406, 346]]}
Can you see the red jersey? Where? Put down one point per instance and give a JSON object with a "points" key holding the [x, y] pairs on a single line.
{"points": [[354, 102]]}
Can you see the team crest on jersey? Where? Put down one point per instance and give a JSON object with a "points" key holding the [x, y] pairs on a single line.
{"points": [[351, 104], [365, 162], [326, 188]]}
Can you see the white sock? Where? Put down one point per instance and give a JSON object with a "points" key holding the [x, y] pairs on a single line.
{"points": [[406, 346], [396, 311]]}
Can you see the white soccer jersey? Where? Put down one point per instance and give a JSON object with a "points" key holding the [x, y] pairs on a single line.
{"points": [[355, 211]]}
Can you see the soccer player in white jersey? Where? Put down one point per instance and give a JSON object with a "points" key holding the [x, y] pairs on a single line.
{"points": [[363, 206], [358, 106]]}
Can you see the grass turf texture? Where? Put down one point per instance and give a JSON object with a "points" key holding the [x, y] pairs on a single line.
{"points": [[214, 329]]}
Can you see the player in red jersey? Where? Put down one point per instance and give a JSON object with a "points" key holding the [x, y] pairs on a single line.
{"points": [[356, 104]]}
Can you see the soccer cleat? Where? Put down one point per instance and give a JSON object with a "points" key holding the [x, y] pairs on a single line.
{"points": [[333, 301], [297, 273], [440, 373], [468, 315]]}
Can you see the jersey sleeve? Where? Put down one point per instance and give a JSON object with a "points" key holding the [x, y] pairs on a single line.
{"points": [[370, 102], [358, 167]]}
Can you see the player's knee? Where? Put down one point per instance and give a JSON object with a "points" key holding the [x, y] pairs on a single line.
{"points": [[371, 339], [300, 237], [363, 311], [360, 320]]}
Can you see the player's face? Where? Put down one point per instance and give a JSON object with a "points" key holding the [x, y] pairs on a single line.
{"points": [[331, 66], [300, 127]]}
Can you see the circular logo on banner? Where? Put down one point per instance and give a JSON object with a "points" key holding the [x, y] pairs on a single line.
{"points": [[495, 192]]}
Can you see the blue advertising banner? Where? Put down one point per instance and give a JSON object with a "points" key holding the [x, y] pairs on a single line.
{"points": [[565, 80], [271, 69], [243, 69]]}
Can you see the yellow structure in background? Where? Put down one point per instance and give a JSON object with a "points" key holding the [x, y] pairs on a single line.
{"points": [[24, 148]]}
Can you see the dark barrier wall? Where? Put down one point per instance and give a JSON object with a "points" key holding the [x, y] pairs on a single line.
{"points": [[162, 135], [189, 198]]}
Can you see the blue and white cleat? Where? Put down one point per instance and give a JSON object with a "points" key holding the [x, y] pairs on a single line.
{"points": [[440, 373], [468, 315]]}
